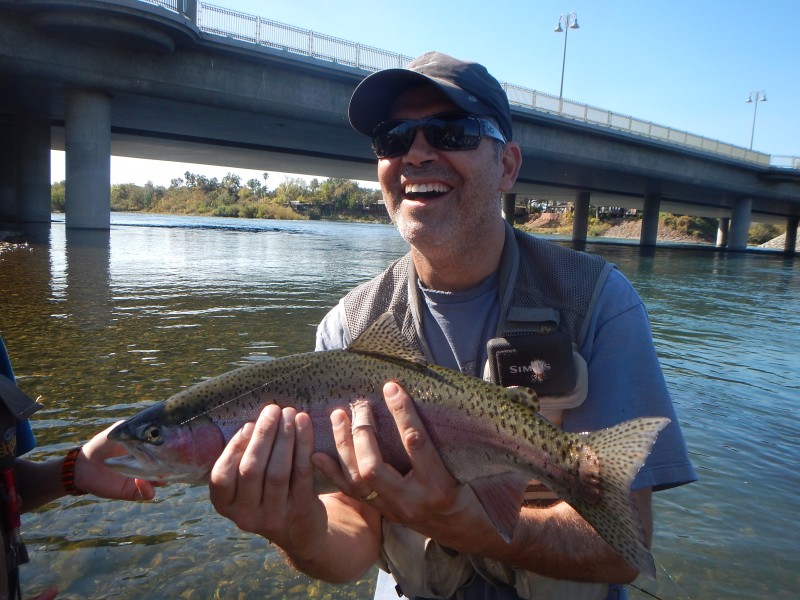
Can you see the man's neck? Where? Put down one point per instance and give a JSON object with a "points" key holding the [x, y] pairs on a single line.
{"points": [[457, 269]]}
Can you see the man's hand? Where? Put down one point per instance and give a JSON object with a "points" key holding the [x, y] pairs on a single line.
{"points": [[427, 498], [263, 482]]}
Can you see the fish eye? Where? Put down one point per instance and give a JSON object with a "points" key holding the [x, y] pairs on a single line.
{"points": [[151, 434]]}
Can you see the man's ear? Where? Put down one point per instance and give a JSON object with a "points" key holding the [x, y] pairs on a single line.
{"points": [[511, 161]]}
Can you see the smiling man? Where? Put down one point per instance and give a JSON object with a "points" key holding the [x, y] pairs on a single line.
{"points": [[473, 295]]}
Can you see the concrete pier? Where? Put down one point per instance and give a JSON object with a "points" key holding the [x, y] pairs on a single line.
{"points": [[740, 224], [88, 160], [509, 207], [649, 235], [8, 173], [791, 235], [580, 219], [723, 231], [32, 140]]}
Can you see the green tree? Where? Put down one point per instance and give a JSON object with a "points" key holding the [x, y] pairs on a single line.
{"points": [[58, 196], [761, 233], [292, 189]]}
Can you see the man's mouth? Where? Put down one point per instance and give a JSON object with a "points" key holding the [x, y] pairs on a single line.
{"points": [[425, 191]]}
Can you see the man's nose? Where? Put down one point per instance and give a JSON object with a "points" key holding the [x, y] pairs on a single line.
{"points": [[420, 151]]}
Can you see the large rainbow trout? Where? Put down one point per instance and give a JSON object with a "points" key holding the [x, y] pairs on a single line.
{"points": [[489, 437]]}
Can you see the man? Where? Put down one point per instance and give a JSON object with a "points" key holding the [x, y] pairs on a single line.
{"points": [[471, 292]]}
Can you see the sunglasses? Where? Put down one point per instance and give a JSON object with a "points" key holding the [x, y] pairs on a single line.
{"points": [[448, 131]]}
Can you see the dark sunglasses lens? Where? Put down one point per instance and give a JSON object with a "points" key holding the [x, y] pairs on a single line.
{"points": [[392, 138], [461, 134]]}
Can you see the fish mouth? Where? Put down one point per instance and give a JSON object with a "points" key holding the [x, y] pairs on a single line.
{"points": [[142, 463], [130, 466]]}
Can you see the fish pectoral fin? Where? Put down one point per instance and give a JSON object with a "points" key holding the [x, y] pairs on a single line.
{"points": [[501, 497]]}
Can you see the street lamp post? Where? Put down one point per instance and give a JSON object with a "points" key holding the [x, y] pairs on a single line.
{"points": [[569, 21], [755, 98]]}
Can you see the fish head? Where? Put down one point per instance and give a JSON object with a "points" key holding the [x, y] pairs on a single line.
{"points": [[159, 450]]}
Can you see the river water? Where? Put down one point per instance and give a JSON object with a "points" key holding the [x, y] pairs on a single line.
{"points": [[103, 324]]}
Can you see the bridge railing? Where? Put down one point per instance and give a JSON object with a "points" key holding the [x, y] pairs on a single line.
{"points": [[265, 32]]}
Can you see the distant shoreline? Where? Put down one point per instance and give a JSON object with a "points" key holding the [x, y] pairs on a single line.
{"points": [[624, 229]]}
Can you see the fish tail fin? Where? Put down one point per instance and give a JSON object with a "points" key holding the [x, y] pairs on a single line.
{"points": [[621, 451]]}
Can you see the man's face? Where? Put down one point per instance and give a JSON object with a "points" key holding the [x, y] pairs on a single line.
{"points": [[439, 199]]}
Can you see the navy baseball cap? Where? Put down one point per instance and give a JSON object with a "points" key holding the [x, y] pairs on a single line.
{"points": [[467, 84]]}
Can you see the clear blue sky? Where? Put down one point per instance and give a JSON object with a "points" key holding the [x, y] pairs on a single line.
{"points": [[686, 64]]}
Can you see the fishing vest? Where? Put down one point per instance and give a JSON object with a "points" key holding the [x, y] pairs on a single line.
{"points": [[15, 406], [547, 294]]}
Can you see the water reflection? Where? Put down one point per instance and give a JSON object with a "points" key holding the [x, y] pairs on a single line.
{"points": [[88, 279]]}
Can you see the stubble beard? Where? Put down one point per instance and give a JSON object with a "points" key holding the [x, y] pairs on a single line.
{"points": [[455, 235]]}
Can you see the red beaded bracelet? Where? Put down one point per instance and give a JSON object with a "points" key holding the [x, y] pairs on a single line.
{"points": [[68, 473]]}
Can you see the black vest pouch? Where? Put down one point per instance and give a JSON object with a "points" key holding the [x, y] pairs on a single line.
{"points": [[15, 405], [533, 352], [18, 402]]}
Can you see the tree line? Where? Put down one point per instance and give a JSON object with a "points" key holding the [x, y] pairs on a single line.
{"points": [[294, 198]]}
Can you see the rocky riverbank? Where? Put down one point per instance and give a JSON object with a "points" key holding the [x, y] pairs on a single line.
{"points": [[622, 229], [632, 229], [779, 242]]}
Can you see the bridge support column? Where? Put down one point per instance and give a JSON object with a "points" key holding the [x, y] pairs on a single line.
{"points": [[791, 235], [723, 229], [580, 218], [87, 146], [8, 174], [649, 234], [740, 224], [509, 207], [33, 168], [190, 10]]}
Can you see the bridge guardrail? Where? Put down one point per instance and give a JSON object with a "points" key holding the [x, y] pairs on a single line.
{"points": [[244, 27]]}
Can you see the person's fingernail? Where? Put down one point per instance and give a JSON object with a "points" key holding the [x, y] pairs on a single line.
{"points": [[247, 430]]}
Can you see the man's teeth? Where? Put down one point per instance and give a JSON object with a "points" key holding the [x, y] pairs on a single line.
{"points": [[423, 188]]}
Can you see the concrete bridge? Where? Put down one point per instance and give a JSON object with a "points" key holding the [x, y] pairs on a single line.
{"points": [[187, 81]]}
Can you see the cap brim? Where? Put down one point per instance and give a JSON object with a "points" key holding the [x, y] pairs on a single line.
{"points": [[371, 102]]}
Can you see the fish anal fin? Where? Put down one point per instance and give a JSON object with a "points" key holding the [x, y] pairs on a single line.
{"points": [[384, 338], [501, 497]]}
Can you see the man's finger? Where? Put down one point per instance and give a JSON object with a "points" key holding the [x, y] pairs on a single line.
{"points": [[224, 474], [275, 489], [303, 472], [425, 459]]}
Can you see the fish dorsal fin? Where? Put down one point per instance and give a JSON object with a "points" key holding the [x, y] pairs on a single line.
{"points": [[524, 396], [383, 338]]}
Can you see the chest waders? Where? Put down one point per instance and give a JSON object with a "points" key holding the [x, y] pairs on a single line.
{"points": [[546, 294]]}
